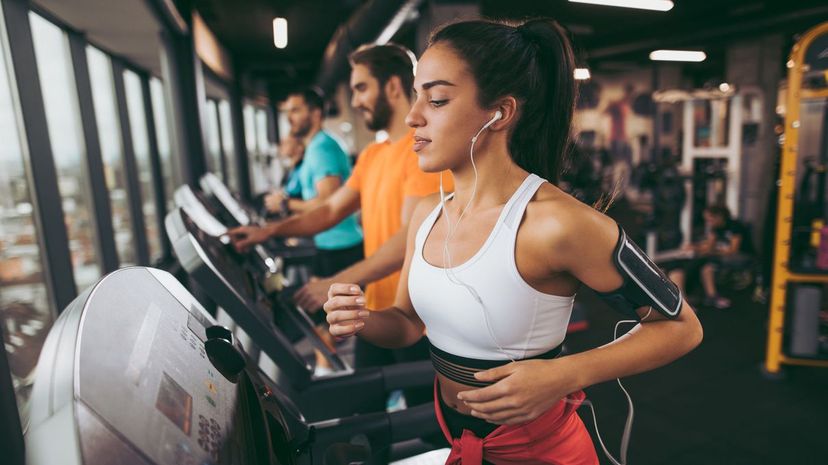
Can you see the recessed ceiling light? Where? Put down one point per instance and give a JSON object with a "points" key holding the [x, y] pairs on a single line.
{"points": [[677, 55], [657, 5], [280, 32]]}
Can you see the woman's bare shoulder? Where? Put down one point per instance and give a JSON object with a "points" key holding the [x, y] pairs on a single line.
{"points": [[568, 226]]}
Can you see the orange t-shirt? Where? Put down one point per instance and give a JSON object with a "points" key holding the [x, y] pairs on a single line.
{"points": [[386, 173]]}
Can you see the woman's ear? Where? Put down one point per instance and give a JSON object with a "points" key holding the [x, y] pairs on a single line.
{"points": [[508, 107]]}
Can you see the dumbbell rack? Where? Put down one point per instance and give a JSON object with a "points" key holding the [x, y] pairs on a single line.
{"points": [[783, 275]]}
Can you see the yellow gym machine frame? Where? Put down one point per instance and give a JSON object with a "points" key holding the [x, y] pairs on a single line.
{"points": [[782, 274]]}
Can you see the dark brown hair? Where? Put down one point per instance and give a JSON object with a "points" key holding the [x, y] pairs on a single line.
{"points": [[533, 62], [385, 61]]}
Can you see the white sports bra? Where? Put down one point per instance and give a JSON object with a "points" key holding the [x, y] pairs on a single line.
{"points": [[522, 321]]}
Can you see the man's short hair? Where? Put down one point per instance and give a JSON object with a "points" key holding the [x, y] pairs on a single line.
{"points": [[312, 97], [384, 61]]}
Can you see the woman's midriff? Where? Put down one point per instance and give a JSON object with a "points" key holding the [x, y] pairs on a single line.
{"points": [[449, 390]]}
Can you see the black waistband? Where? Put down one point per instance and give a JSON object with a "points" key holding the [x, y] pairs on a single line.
{"points": [[456, 422], [462, 369]]}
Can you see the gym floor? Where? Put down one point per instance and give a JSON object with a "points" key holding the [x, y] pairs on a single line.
{"points": [[713, 406]]}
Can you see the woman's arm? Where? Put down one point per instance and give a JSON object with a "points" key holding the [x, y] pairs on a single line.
{"points": [[394, 327], [588, 241]]}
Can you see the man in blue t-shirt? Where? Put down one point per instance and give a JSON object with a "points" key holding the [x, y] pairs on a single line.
{"points": [[322, 170]]}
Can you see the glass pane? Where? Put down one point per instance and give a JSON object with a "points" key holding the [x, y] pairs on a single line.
{"points": [[261, 132], [57, 82], [261, 163], [227, 144], [140, 143], [159, 112], [250, 129], [213, 144], [109, 134], [258, 182], [25, 313]]}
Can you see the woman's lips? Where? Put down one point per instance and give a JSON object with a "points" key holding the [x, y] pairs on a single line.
{"points": [[420, 142]]}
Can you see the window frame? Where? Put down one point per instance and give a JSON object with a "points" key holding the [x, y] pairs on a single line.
{"points": [[49, 215]]}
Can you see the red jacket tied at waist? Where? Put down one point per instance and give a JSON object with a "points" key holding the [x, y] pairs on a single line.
{"points": [[557, 437]]}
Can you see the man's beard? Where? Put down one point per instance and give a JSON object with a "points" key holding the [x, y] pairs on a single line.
{"points": [[381, 115], [300, 131]]}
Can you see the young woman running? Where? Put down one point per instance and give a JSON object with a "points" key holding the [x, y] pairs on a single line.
{"points": [[491, 271]]}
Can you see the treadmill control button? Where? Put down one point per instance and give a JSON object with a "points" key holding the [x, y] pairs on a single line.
{"points": [[223, 354]]}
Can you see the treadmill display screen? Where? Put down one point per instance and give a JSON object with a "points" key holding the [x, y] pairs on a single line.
{"points": [[174, 402]]}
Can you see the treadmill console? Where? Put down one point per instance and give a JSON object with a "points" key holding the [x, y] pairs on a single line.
{"points": [[195, 207], [213, 185], [124, 378]]}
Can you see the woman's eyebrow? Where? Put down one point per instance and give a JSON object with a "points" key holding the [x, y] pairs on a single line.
{"points": [[439, 82]]}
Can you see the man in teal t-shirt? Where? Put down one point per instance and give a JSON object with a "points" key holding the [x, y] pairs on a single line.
{"points": [[324, 167]]}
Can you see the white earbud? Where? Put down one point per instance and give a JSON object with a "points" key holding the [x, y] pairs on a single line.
{"points": [[496, 117]]}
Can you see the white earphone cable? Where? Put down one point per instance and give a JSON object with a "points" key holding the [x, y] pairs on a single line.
{"points": [[447, 265]]}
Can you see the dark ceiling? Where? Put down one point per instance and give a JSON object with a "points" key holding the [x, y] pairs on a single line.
{"points": [[603, 35], [245, 28]]}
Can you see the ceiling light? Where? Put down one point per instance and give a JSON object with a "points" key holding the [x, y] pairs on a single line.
{"points": [[657, 5], [677, 55], [280, 32], [582, 74]]}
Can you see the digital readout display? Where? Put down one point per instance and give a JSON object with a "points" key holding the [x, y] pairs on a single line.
{"points": [[174, 402]]}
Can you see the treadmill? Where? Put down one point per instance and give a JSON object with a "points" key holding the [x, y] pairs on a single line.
{"points": [[270, 272], [274, 324], [135, 371], [213, 186], [230, 208], [197, 208], [271, 258]]}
